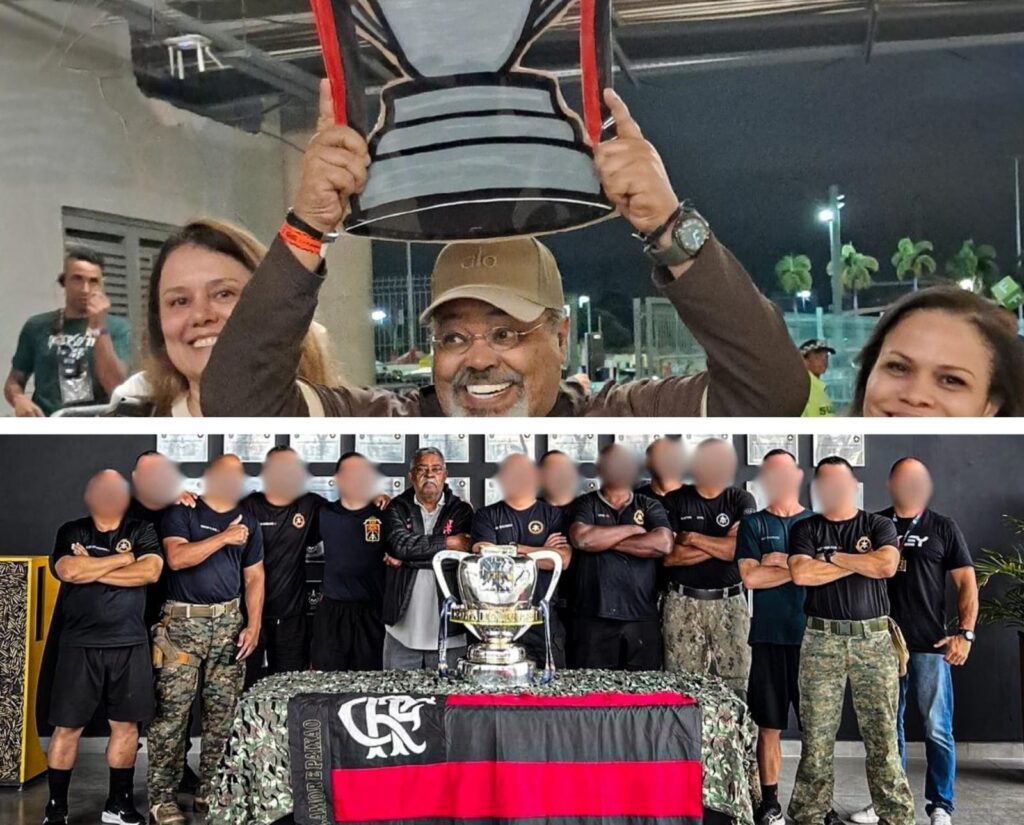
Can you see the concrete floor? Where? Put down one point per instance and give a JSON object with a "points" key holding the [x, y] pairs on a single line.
{"points": [[989, 792]]}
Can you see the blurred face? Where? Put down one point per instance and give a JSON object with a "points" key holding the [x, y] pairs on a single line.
{"points": [[559, 477], [618, 468], [911, 485], [157, 480], [817, 362], [780, 479], [357, 480], [106, 495], [81, 279], [284, 476], [198, 293], [485, 381], [428, 477], [223, 481], [836, 488], [931, 363], [714, 464], [666, 461], [518, 477]]}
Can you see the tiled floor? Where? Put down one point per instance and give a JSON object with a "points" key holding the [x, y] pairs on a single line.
{"points": [[989, 792]]}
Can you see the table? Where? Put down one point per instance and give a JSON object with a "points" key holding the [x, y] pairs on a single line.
{"points": [[254, 786]]}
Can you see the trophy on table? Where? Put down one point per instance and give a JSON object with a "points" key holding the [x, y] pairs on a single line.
{"points": [[496, 587], [468, 144]]}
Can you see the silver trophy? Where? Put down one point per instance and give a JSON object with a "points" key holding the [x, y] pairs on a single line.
{"points": [[469, 145], [497, 586]]}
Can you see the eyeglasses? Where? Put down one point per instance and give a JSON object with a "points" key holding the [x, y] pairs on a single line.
{"points": [[423, 472], [499, 339]]}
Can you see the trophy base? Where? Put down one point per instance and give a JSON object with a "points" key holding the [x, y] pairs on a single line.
{"points": [[495, 156], [516, 675]]}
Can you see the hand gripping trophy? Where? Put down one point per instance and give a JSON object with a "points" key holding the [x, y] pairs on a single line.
{"points": [[468, 144], [497, 587]]}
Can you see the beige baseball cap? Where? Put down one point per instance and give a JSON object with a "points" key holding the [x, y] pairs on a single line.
{"points": [[517, 275]]}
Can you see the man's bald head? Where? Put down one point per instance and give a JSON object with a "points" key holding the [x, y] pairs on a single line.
{"points": [[910, 484], [518, 476], [224, 479], [106, 495]]}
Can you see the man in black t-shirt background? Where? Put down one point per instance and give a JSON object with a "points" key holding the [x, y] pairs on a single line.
{"points": [[104, 563], [520, 518], [666, 464], [705, 615], [348, 627], [621, 537], [843, 557], [931, 545]]}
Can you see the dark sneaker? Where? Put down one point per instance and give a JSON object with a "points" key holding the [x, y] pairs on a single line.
{"points": [[769, 815], [189, 781], [832, 818], [54, 815], [121, 812]]}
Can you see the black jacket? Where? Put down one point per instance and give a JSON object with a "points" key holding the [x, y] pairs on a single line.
{"points": [[403, 526]]}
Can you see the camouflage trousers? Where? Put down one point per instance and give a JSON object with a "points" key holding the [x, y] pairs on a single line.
{"points": [[708, 636], [213, 641], [827, 661]]}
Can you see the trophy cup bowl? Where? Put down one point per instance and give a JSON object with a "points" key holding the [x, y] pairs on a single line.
{"points": [[496, 587], [468, 145]]}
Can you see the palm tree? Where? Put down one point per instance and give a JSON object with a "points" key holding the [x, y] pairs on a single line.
{"points": [[973, 266], [912, 258], [794, 274], [857, 271]]}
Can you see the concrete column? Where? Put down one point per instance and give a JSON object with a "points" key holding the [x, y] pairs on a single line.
{"points": [[347, 295]]}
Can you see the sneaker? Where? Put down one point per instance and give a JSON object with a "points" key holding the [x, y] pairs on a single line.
{"points": [[865, 816], [189, 783], [832, 818], [54, 815], [121, 812], [940, 816], [769, 815], [166, 813]]}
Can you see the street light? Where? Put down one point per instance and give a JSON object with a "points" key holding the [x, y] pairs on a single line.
{"points": [[826, 215], [831, 215], [585, 302], [378, 315], [966, 283]]}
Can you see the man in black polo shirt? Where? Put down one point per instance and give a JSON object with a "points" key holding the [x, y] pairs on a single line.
{"points": [[104, 562], [621, 537], [843, 557], [931, 545], [348, 627], [287, 516], [666, 464], [777, 626], [705, 616], [530, 524], [210, 549]]}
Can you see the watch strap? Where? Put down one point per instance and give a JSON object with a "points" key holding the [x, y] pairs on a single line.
{"points": [[296, 222]]}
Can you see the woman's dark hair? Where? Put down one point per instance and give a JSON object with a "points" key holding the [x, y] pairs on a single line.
{"points": [[996, 326]]}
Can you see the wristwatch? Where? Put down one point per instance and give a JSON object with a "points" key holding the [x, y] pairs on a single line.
{"points": [[969, 635], [689, 232]]}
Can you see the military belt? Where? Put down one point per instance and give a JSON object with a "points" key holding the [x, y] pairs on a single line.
{"points": [[703, 595], [184, 610], [848, 627]]}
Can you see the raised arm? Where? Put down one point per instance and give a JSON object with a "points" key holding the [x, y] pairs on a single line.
{"points": [[182, 553], [593, 539], [142, 572], [810, 572], [876, 564]]}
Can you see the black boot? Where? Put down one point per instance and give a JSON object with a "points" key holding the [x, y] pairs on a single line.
{"points": [[55, 814]]}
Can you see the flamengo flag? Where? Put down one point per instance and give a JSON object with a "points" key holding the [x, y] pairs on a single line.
{"points": [[609, 756]]}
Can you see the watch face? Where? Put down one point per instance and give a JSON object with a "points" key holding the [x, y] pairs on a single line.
{"points": [[691, 234]]}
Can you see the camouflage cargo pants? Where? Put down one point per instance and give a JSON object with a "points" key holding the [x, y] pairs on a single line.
{"points": [[708, 636], [826, 662], [213, 641]]}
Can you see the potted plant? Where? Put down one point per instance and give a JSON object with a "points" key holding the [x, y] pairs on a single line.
{"points": [[913, 258], [794, 274], [857, 270]]}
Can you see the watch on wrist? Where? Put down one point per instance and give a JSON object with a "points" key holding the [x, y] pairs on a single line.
{"points": [[689, 231], [827, 556], [296, 222], [969, 635]]}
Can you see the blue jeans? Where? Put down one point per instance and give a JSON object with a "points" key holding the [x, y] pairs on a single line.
{"points": [[929, 680]]}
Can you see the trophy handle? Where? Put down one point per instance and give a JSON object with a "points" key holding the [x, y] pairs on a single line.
{"points": [[556, 559], [438, 561]]}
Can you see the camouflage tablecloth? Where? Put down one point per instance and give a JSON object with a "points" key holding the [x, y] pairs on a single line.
{"points": [[254, 787]]}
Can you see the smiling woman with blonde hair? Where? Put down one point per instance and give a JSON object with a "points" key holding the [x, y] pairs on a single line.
{"points": [[197, 278]]}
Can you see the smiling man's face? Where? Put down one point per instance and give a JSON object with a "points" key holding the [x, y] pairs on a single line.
{"points": [[485, 381]]}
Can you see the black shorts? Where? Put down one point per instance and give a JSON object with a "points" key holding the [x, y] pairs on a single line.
{"points": [[347, 636], [774, 684], [116, 680], [283, 648], [610, 644]]}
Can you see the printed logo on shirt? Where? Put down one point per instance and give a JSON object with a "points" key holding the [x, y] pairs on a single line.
{"points": [[385, 725], [863, 544], [449, 526], [123, 546], [535, 527], [298, 521], [916, 541], [722, 520], [208, 527], [638, 517], [371, 529]]}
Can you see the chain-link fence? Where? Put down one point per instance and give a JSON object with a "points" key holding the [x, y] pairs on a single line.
{"points": [[397, 304]]}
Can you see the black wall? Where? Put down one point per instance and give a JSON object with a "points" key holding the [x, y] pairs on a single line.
{"points": [[43, 477]]}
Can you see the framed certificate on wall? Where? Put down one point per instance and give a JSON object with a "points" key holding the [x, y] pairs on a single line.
{"points": [[454, 448], [184, 448], [317, 449], [758, 446], [850, 446], [248, 447], [496, 447], [580, 447], [382, 449]]}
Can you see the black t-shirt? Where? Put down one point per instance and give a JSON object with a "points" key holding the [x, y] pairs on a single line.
{"points": [[219, 577], [917, 592], [287, 531], [499, 523], [354, 547], [138, 510], [853, 597], [156, 593], [97, 614], [610, 584], [688, 510], [649, 491]]}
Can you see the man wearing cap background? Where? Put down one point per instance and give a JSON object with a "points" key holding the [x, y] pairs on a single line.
{"points": [[497, 309], [816, 355]]}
